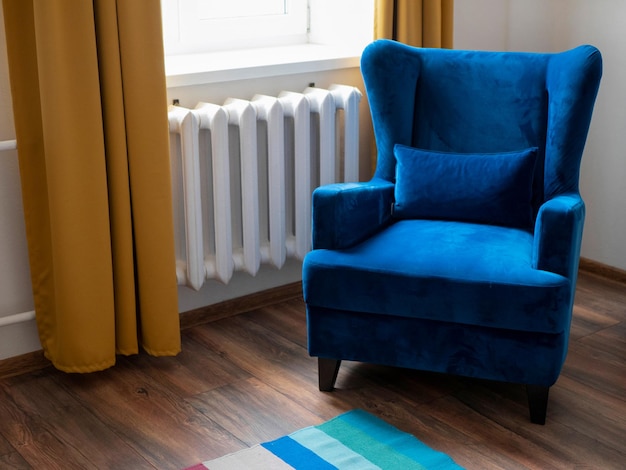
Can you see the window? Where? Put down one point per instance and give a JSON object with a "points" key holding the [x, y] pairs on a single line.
{"points": [[217, 25], [199, 26], [208, 41]]}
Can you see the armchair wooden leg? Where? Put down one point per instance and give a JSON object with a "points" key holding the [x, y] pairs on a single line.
{"points": [[537, 403], [327, 372]]}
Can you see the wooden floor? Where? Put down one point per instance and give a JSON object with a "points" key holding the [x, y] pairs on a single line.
{"points": [[247, 379]]}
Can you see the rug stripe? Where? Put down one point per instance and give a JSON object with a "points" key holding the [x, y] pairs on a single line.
{"points": [[355, 440], [331, 450], [379, 453], [254, 457], [402, 442], [297, 455]]}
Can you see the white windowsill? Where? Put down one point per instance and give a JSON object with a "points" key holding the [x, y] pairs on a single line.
{"points": [[199, 69]]}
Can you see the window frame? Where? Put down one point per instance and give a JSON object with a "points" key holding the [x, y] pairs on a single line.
{"points": [[187, 32], [331, 46]]}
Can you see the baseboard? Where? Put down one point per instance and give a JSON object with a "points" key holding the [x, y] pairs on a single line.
{"points": [[247, 303], [23, 364], [34, 361], [602, 270]]}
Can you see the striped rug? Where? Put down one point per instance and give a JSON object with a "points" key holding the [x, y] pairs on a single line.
{"points": [[354, 440]]}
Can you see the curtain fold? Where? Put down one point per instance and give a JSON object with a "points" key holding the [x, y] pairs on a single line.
{"points": [[90, 108], [422, 23]]}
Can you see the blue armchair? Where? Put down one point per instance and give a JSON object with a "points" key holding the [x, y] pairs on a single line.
{"points": [[460, 255]]}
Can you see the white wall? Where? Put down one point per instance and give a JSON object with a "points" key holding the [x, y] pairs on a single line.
{"points": [[15, 292], [554, 25], [603, 174], [542, 25]]}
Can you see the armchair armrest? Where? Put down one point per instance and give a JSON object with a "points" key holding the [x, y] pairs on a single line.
{"points": [[558, 235], [346, 213]]}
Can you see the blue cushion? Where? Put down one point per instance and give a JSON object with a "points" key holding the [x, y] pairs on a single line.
{"points": [[488, 188], [456, 272]]}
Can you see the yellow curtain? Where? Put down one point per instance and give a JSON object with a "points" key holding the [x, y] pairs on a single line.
{"points": [[89, 99], [422, 23]]}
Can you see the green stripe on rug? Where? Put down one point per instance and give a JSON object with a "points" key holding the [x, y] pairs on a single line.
{"points": [[402, 442], [379, 453]]}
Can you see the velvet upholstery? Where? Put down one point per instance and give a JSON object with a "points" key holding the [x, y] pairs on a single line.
{"points": [[460, 255], [453, 186]]}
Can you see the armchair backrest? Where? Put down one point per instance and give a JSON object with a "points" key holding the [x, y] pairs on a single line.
{"points": [[472, 101]]}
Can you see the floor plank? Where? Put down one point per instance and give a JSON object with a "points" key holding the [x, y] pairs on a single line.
{"points": [[42, 421], [165, 429], [253, 412], [248, 378]]}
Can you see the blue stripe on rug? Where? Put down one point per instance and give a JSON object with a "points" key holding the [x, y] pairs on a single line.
{"points": [[332, 450], [380, 453], [297, 455]]}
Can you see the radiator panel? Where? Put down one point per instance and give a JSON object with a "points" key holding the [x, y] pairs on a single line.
{"points": [[243, 175]]}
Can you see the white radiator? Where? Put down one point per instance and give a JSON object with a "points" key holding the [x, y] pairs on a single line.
{"points": [[243, 174]]}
